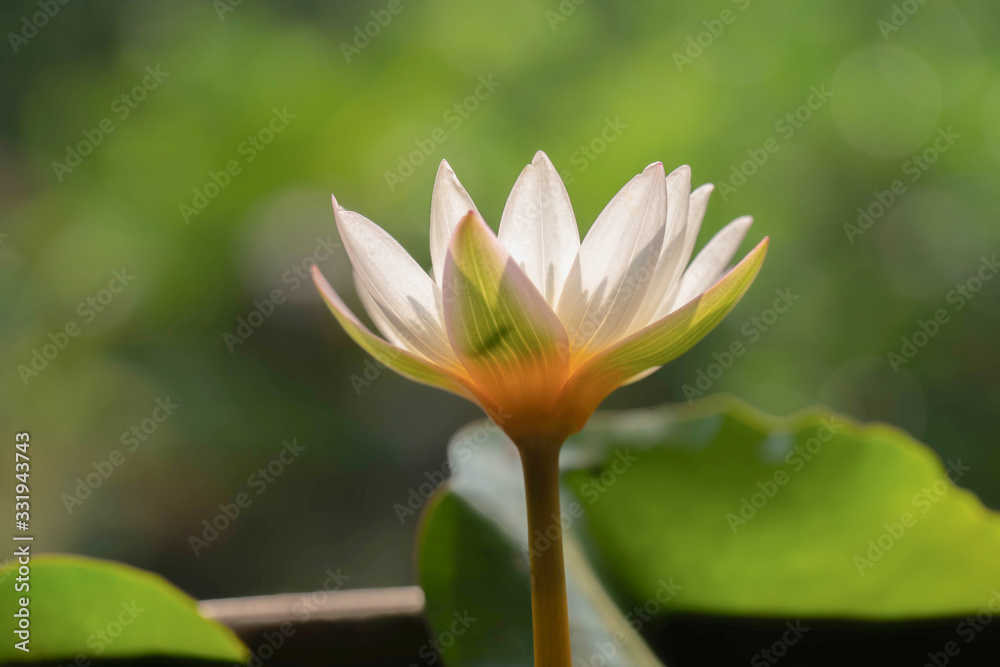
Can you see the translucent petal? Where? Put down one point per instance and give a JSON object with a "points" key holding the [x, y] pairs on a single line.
{"points": [[616, 260], [405, 295], [711, 262], [505, 334], [538, 227], [384, 326], [697, 205], [675, 234], [402, 361], [449, 204], [667, 338]]}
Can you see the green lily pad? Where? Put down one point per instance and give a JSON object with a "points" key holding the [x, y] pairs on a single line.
{"points": [[729, 511], [96, 608]]}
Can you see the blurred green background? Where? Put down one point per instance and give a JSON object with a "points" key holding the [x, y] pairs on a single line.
{"points": [[603, 88]]}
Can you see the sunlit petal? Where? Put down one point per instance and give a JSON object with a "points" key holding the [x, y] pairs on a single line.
{"points": [[697, 205], [402, 361], [449, 204], [382, 323], [711, 262], [538, 227], [508, 338], [616, 260], [407, 297], [667, 338], [674, 242]]}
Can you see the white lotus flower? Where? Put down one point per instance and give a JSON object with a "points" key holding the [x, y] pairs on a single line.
{"points": [[531, 324]]}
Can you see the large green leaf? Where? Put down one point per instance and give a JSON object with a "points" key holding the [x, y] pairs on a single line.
{"points": [[96, 608], [810, 515], [806, 516]]}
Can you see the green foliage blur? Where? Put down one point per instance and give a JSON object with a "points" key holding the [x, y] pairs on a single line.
{"points": [[223, 128]]}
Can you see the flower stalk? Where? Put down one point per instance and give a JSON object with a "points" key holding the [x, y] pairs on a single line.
{"points": [[549, 607]]}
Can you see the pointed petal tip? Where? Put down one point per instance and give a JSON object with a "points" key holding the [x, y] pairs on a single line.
{"points": [[469, 220], [323, 285], [540, 158], [762, 246], [655, 168], [318, 276], [445, 168], [336, 204], [679, 182]]}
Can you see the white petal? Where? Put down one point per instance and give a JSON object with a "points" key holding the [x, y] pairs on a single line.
{"points": [[449, 204], [665, 339], [697, 205], [711, 262], [678, 195], [382, 323], [408, 299], [402, 361], [616, 260], [538, 227]]}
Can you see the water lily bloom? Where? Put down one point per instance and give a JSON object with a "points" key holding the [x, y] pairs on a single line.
{"points": [[530, 323]]}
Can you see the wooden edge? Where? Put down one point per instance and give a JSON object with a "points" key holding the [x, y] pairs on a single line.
{"points": [[320, 605]]}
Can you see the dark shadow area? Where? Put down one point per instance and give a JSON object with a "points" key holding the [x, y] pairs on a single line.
{"points": [[685, 641], [720, 642]]}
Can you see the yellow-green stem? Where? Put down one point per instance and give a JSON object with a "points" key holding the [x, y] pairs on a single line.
{"points": [[549, 610]]}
